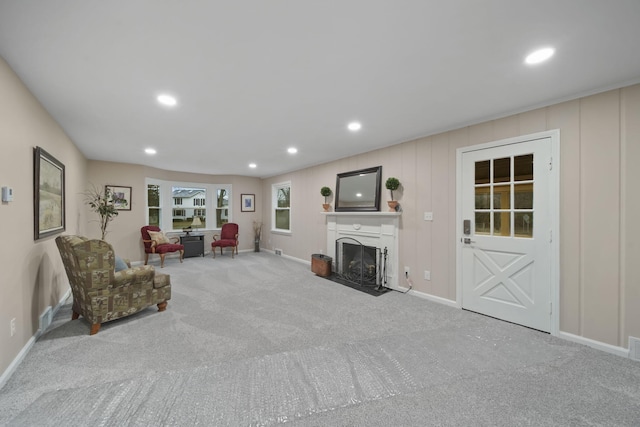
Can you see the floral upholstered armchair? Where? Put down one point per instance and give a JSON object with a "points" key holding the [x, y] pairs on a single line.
{"points": [[100, 293]]}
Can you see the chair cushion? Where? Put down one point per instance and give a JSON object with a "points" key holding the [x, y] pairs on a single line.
{"points": [[159, 237], [161, 280], [223, 243], [170, 247], [120, 264]]}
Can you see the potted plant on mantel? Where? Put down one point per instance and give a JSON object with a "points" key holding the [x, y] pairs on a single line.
{"points": [[392, 184], [102, 203], [326, 192]]}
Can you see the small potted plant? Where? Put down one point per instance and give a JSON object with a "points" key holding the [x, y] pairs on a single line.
{"points": [[392, 184], [326, 192]]}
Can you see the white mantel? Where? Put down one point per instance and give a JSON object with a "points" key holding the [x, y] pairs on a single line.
{"points": [[378, 229]]}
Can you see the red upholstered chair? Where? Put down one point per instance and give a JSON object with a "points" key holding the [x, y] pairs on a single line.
{"points": [[152, 246], [228, 237]]}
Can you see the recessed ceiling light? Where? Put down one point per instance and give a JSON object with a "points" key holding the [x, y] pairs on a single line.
{"points": [[150, 150], [292, 150], [253, 165], [354, 126], [358, 194], [167, 100], [539, 55]]}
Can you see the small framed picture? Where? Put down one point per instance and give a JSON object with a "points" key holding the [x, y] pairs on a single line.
{"points": [[121, 196], [248, 202]]}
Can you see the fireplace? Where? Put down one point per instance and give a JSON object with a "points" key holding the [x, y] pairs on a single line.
{"points": [[373, 230], [360, 264]]}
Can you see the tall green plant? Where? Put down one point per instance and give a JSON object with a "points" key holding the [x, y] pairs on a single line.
{"points": [[102, 203]]}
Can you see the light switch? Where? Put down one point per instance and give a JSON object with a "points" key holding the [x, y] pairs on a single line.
{"points": [[7, 194]]}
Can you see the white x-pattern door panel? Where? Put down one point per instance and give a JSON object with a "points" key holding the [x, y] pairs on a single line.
{"points": [[506, 241]]}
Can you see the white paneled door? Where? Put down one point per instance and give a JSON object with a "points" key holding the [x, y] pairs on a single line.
{"points": [[506, 232]]}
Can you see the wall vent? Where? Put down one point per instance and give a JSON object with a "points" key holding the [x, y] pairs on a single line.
{"points": [[277, 251], [634, 348], [45, 319]]}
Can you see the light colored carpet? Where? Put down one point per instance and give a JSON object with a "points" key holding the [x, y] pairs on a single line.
{"points": [[259, 340]]}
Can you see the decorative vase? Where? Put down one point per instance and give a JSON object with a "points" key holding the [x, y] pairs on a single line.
{"points": [[326, 207], [256, 246], [393, 205]]}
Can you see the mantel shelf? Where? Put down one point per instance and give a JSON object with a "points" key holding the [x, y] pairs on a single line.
{"points": [[364, 213]]}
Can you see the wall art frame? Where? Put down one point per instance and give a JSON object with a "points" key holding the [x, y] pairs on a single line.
{"points": [[121, 196], [48, 195], [247, 202]]}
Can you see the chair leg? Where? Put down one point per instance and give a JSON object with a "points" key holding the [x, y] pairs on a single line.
{"points": [[213, 251], [94, 329], [162, 306], [181, 258], [146, 258], [232, 252], [162, 260]]}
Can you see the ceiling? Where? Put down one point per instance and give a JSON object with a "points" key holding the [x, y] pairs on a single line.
{"points": [[253, 78]]}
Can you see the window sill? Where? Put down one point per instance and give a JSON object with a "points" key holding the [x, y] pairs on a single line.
{"points": [[282, 232]]}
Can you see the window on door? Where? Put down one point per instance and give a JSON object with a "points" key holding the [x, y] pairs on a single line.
{"points": [[504, 196]]}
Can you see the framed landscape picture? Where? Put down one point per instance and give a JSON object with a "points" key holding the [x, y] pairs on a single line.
{"points": [[48, 194], [121, 197], [248, 202]]}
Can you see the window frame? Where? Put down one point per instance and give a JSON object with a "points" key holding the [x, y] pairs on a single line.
{"points": [[166, 210], [275, 188]]}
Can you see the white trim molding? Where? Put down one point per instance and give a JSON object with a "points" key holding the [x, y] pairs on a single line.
{"points": [[27, 347]]}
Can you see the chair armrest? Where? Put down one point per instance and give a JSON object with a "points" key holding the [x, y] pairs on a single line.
{"points": [[135, 275], [216, 237], [153, 244], [175, 239]]}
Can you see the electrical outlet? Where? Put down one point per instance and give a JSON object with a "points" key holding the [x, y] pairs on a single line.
{"points": [[428, 216], [406, 271], [12, 325], [427, 275]]}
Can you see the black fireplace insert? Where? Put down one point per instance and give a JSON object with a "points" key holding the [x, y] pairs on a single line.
{"points": [[359, 264]]}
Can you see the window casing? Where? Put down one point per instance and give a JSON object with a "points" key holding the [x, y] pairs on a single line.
{"points": [[154, 210], [281, 207], [222, 207]]}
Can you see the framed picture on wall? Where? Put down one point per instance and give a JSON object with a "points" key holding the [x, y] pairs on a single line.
{"points": [[248, 202], [48, 195], [121, 196]]}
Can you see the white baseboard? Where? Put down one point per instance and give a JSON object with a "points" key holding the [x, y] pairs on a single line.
{"points": [[17, 361], [283, 255], [618, 351], [27, 347], [426, 296]]}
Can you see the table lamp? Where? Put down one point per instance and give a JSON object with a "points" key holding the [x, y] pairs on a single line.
{"points": [[196, 223]]}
